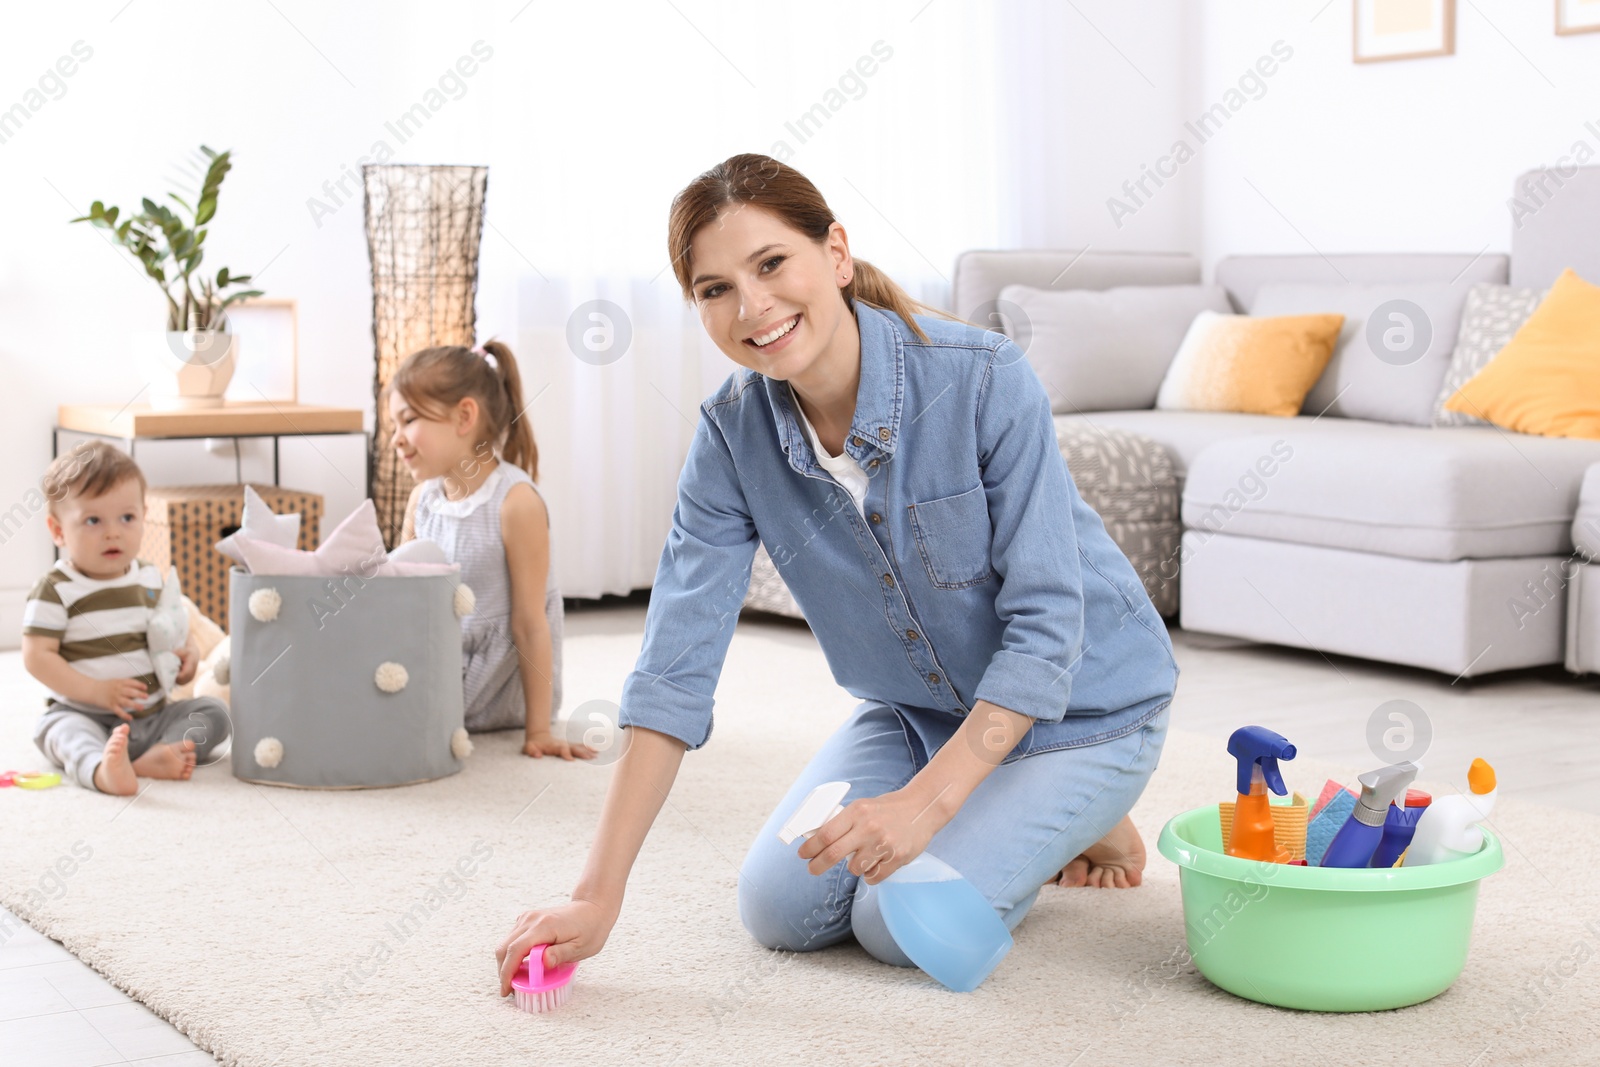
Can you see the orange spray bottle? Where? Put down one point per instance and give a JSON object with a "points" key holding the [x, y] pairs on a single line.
{"points": [[1258, 751]]}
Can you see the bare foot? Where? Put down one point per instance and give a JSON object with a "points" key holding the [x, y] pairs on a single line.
{"points": [[175, 760], [1116, 861], [115, 775]]}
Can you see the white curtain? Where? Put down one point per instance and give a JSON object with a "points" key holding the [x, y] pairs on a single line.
{"points": [[602, 128]]}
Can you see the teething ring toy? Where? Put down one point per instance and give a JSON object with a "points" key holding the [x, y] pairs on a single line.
{"points": [[30, 779]]}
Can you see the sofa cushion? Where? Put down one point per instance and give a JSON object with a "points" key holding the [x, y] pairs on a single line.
{"points": [[1107, 349], [1443, 494], [1492, 316], [1546, 380], [1186, 434], [1247, 363], [1390, 358]]}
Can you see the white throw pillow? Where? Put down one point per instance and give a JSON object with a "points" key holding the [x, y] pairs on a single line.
{"points": [[1414, 326], [1108, 349]]}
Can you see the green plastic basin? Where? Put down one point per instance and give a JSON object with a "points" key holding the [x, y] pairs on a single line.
{"points": [[1323, 938]]}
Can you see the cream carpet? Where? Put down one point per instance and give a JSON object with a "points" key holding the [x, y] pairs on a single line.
{"points": [[271, 925]]}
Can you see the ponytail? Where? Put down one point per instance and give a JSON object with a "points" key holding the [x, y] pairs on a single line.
{"points": [[519, 448], [876, 289]]}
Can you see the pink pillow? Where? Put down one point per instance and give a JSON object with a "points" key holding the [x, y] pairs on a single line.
{"points": [[354, 547], [397, 568]]}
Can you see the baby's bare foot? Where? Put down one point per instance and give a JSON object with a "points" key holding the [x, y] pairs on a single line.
{"points": [[115, 775], [1116, 861], [175, 760]]}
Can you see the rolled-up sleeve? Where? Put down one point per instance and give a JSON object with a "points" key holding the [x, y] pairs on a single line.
{"points": [[1034, 550], [699, 588]]}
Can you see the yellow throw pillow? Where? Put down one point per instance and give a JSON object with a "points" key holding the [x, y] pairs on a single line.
{"points": [[1546, 380], [1262, 366]]}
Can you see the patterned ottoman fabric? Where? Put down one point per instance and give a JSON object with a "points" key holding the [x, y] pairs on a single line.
{"points": [[1127, 478], [1131, 483]]}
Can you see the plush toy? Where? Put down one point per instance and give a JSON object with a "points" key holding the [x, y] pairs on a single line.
{"points": [[211, 676], [168, 631]]}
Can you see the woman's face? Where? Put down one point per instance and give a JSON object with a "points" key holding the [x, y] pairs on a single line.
{"points": [[768, 295]]}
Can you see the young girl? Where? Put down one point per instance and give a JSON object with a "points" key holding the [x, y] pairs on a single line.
{"points": [[460, 432]]}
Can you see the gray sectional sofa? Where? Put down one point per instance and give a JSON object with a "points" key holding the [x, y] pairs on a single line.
{"points": [[1357, 527]]}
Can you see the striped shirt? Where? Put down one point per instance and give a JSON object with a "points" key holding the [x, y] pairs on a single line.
{"points": [[101, 624]]}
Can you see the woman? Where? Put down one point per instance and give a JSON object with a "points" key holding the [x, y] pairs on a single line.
{"points": [[903, 473]]}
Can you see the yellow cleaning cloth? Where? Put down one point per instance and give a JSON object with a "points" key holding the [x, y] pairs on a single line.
{"points": [[1288, 823]]}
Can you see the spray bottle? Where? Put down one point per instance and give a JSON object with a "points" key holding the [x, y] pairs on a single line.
{"points": [[1359, 837], [1398, 827], [1448, 829], [1258, 751], [938, 918]]}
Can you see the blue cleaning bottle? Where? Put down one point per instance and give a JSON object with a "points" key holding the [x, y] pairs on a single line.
{"points": [[1398, 827], [938, 918], [1358, 838]]}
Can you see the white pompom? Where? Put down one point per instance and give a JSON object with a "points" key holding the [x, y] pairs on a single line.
{"points": [[269, 752], [222, 670], [265, 604], [466, 599], [460, 743], [391, 677]]}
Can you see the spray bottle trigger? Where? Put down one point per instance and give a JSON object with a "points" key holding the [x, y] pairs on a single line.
{"points": [[1269, 770], [820, 805]]}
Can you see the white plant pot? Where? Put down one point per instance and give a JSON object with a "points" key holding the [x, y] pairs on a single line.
{"points": [[187, 368]]}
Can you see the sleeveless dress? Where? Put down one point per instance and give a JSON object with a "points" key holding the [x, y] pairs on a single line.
{"points": [[468, 530]]}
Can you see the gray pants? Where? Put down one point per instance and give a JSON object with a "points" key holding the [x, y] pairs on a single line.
{"points": [[75, 740]]}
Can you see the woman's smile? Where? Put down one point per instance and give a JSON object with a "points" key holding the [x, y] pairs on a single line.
{"points": [[776, 338]]}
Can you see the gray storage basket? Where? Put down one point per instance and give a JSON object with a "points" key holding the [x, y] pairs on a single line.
{"points": [[308, 679]]}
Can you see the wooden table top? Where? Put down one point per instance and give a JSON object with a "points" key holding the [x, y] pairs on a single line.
{"points": [[244, 418]]}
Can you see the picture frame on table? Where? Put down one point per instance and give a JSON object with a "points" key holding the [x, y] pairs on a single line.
{"points": [[1402, 29], [268, 330]]}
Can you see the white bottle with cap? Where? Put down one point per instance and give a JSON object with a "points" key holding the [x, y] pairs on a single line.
{"points": [[1448, 829]]}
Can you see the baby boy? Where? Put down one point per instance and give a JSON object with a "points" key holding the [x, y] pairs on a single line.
{"points": [[107, 720]]}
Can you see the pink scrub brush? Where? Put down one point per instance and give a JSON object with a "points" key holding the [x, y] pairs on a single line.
{"points": [[538, 989]]}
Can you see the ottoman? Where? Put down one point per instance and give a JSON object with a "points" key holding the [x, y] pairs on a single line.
{"points": [[1127, 478], [346, 683]]}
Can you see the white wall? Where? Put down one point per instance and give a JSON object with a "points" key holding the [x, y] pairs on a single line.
{"points": [[1408, 155], [1015, 111], [1095, 89]]}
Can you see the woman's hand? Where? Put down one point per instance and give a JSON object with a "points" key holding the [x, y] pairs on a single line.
{"points": [[884, 832], [573, 931], [544, 743]]}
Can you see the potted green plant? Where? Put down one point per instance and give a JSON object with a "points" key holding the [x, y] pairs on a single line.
{"points": [[195, 357]]}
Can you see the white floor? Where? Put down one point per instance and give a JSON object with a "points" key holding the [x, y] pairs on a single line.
{"points": [[1540, 729]]}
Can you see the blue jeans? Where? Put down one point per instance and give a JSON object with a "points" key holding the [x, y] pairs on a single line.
{"points": [[1022, 824]]}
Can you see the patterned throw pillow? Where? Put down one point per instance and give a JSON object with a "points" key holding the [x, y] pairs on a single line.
{"points": [[1493, 314]]}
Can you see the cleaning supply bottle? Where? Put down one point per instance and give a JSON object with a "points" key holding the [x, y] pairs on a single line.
{"points": [[1448, 828], [938, 918], [1398, 827], [1258, 751], [1359, 837]]}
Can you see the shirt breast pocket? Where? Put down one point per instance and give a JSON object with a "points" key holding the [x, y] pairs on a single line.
{"points": [[953, 535]]}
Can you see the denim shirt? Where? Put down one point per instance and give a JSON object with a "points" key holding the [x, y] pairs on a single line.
{"points": [[977, 573]]}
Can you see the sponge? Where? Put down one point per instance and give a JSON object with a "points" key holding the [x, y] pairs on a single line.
{"points": [[1320, 834], [1288, 823]]}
